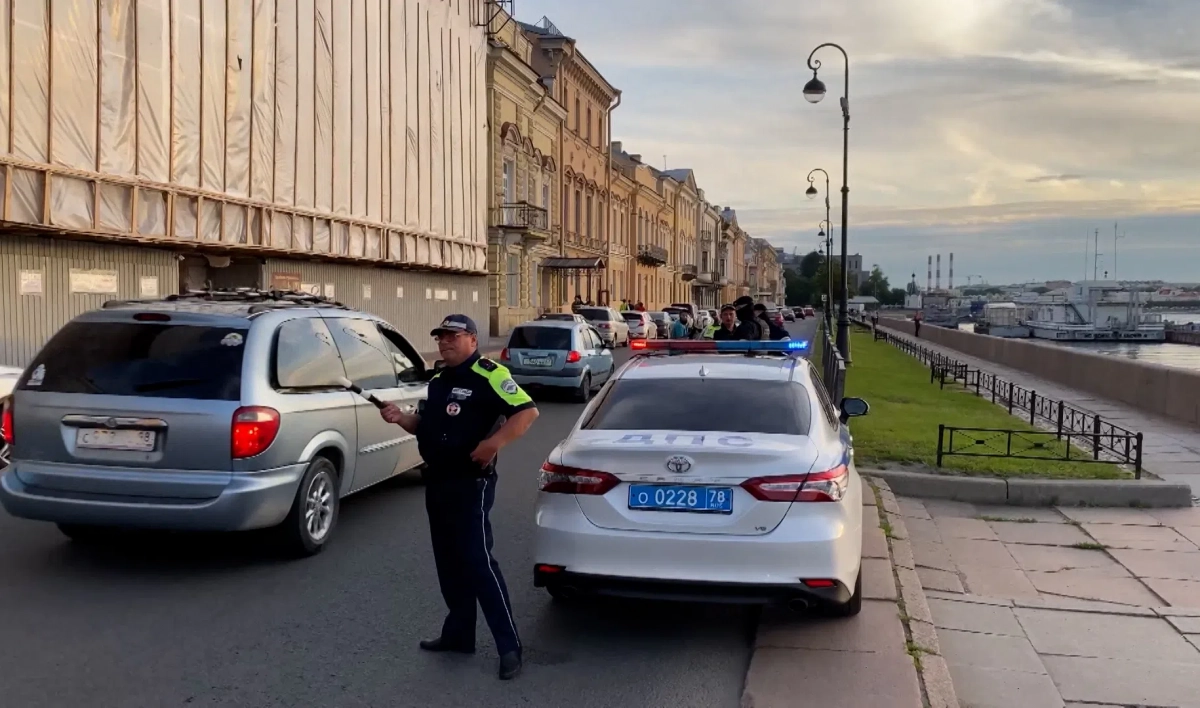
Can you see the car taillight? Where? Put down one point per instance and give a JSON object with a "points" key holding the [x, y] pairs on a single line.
{"points": [[254, 429], [6, 422], [504, 354], [815, 487], [573, 357], [604, 325], [557, 479]]}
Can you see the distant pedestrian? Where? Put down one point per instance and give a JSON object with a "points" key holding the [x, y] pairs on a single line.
{"points": [[917, 325]]}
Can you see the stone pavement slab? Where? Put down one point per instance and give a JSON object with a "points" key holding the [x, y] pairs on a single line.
{"points": [[1068, 606]]}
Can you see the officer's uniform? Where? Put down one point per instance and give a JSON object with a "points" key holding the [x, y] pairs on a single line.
{"points": [[709, 331], [465, 405]]}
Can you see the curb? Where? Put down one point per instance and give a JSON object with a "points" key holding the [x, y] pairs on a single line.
{"points": [[1038, 492], [932, 671]]}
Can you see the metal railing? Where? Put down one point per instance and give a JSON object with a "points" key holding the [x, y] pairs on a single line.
{"points": [[1103, 440], [688, 271], [651, 254], [521, 215], [1040, 445], [833, 369]]}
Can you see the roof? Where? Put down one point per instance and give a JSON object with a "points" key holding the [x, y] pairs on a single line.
{"points": [[555, 324], [721, 366]]}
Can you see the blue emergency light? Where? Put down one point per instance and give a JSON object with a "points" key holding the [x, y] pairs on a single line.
{"points": [[708, 345]]}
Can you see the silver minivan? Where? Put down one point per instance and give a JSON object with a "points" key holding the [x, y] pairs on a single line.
{"points": [[209, 411]]}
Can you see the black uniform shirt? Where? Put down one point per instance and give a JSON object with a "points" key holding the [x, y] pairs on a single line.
{"points": [[466, 404]]}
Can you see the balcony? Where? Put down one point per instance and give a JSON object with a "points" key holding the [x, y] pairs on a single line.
{"points": [[688, 271], [651, 255], [532, 221]]}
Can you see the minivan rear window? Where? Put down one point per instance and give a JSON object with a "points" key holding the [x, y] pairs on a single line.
{"points": [[704, 405], [632, 316], [551, 338], [136, 359], [595, 314]]}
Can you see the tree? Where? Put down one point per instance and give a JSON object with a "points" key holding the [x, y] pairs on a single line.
{"points": [[819, 282], [876, 285], [809, 264], [896, 296], [798, 290]]}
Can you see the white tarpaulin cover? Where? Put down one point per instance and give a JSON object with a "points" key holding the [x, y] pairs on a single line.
{"points": [[346, 127]]}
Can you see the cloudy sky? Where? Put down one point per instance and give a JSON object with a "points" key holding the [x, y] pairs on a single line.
{"points": [[1006, 131]]}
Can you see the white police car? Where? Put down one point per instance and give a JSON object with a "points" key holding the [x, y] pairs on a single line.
{"points": [[708, 471]]}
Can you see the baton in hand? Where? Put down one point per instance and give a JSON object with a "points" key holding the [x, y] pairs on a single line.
{"points": [[349, 386]]}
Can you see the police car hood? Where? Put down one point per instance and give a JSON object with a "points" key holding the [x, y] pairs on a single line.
{"points": [[714, 459]]}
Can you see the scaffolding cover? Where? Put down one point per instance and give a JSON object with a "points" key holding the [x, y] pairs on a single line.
{"points": [[343, 127]]}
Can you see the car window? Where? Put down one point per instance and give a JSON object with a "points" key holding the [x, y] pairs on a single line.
{"points": [[305, 356], [556, 339], [692, 404], [365, 355], [141, 359], [595, 314], [594, 341], [632, 316], [408, 364]]}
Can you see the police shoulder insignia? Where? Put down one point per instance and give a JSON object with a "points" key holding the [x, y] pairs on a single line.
{"points": [[487, 364], [509, 386]]}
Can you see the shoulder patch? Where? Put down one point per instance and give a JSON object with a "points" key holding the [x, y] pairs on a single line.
{"points": [[509, 386], [487, 364]]}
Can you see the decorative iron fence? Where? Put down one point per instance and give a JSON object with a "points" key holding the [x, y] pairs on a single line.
{"points": [[1123, 448], [833, 368], [1104, 441]]}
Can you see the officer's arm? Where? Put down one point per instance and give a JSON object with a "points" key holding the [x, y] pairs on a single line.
{"points": [[515, 405]]}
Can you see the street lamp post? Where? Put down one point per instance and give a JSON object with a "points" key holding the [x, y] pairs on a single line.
{"points": [[826, 232], [810, 193], [814, 91]]}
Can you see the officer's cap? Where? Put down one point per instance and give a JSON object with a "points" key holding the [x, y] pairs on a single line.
{"points": [[455, 324]]}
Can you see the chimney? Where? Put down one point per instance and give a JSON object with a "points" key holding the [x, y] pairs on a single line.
{"points": [[616, 146], [636, 158], [937, 283], [950, 278], [929, 276]]}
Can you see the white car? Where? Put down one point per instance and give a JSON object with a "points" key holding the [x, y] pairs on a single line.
{"points": [[702, 473]]}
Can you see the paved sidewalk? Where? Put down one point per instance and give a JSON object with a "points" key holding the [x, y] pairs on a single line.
{"points": [[1171, 450], [1046, 608], [848, 663]]}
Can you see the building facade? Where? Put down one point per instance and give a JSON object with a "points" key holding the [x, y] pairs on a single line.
{"points": [[583, 266], [525, 221], [766, 274], [335, 150], [737, 270], [707, 288]]}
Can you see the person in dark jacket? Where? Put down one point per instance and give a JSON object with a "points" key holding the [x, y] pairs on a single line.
{"points": [[774, 331], [727, 330], [749, 326]]}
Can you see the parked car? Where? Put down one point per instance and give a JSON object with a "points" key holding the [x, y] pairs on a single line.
{"points": [[8, 381], [809, 312], [788, 314], [742, 488], [662, 321], [563, 355], [563, 317], [213, 411], [609, 323], [641, 326]]}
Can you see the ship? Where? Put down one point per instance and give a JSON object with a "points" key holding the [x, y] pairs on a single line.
{"points": [[1093, 311]]}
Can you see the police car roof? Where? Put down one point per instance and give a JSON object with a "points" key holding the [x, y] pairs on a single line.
{"points": [[763, 367]]}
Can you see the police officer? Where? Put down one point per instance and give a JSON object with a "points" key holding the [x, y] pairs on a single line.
{"points": [[473, 409]]}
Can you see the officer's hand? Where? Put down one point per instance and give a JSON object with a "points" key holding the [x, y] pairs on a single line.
{"points": [[486, 452], [392, 413]]}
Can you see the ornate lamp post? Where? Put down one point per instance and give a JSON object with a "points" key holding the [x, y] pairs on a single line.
{"points": [[814, 91], [826, 233]]}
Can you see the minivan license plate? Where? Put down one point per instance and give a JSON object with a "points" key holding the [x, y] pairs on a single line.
{"points": [[538, 361], [105, 439]]}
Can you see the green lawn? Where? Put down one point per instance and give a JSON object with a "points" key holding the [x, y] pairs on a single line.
{"points": [[906, 409]]}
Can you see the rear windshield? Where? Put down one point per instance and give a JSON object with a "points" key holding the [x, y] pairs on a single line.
{"points": [[632, 315], [136, 359], [659, 316], [595, 314], [558, 317], [555, 338], [708, 405]]}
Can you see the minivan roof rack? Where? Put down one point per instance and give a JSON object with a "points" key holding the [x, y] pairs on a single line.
{"points": [[259, 300]]}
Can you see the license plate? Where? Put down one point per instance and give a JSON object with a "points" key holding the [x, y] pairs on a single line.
{"points": [[538, 361], [654, 497], [105, 439]]}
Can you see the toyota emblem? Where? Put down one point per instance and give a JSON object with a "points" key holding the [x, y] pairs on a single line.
{"points": [[679, 464]]}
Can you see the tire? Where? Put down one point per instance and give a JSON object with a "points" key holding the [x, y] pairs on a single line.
{"points": [[318, 489], [584, 393], [84, 534], [853, 606]]}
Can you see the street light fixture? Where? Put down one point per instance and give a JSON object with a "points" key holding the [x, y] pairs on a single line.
{"points": [[814, 91]]}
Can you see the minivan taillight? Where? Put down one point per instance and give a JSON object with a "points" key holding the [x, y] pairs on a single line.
{"points": [[573, 357], [825, 486], [6, 422], [558, 479], [254, 429], [504, 354]]}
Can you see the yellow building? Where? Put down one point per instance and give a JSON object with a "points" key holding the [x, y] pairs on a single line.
{"points": [[583, 265], [685, 201], [525, 228], [651, 223], [733, 256], [766, 272]]}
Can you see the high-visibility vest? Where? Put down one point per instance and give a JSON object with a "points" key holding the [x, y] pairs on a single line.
{"points": [[710, 331]]}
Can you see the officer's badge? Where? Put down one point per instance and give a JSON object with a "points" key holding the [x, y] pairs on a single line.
{"points": [[509, 386], [453, 409]]}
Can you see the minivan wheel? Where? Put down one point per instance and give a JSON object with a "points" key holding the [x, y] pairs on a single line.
{"points": [[310, 523], [584, 394]]}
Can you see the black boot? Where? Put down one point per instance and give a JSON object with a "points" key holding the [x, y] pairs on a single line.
{"points": [[441, 645], [510, 665]]}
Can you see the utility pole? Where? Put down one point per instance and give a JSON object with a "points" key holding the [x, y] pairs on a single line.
{"points": [[1096, 255]]}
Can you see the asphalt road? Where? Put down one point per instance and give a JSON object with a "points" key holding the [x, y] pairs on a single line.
{"points": [[164, 621]]}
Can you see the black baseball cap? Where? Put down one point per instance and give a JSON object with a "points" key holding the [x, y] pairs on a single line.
{"points": [[455, 324], [743, 301]]}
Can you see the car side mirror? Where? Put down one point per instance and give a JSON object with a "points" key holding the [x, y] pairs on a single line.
{"points": [[853, 408]]}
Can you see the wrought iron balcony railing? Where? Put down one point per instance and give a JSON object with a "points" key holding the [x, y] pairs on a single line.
{"points": [[521, 215], [652, 255]]}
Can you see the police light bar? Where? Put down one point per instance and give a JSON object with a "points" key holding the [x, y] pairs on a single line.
{"points": [[707, 345]]}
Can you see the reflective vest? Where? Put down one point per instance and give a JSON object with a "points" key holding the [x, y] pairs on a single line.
{"points": [[710, 331]]}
